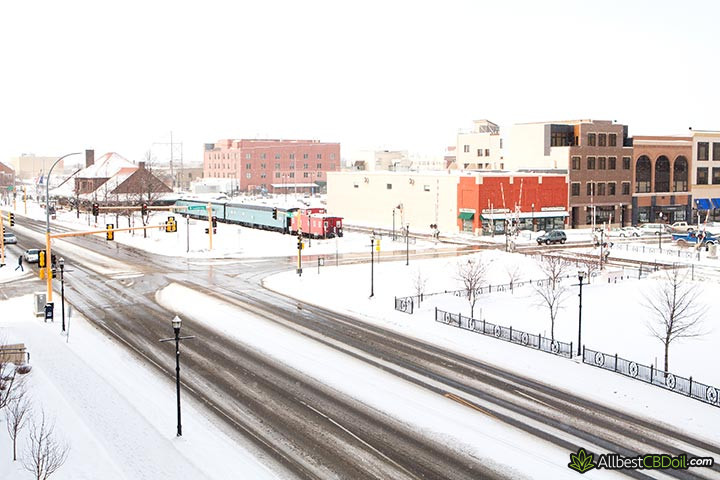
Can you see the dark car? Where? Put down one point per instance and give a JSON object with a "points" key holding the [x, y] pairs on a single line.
{"points": [[553, 236]]}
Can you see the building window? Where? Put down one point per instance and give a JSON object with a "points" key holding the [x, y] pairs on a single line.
{"points": [[426, 188], [590, 189], [611, 163], [292, 175], [479, 152], [263, 175], [591, 163], [601, 189], [576, 163], [591, 139], [263, 166], [292, 165], [319, 156], [248, 175], [248, 166], [332, 156], [319, 174], [612, 139], [389, 186], [332, 166], [355, 185], [305, 155], [263, 156], [626, 188], [643, 174], [306, 174], [702, 150], [487, 152], [305, 166], [602, 163], [292, 156], [702, 176], [611, 188], [575, 189], [277, 166], [716, 176], [277, 174], [277, 156], [626, 163], [248, 156], [466, 148], [319, 166], [602, 140], [680, 174]]}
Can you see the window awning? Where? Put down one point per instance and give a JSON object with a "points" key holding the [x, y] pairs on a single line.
{"points": [[703, 204], [716, 202], [510, 215], [466, 215]]}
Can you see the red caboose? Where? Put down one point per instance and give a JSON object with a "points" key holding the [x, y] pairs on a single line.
{"points": [[315, 223]]}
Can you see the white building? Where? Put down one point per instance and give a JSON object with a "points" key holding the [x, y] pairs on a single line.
{"points": [[480, 148]]}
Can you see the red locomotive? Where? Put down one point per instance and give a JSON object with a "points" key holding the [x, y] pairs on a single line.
{"points": [[316, 223]]}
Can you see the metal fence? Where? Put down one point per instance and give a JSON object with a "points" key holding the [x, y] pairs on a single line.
{"points": [[689, 255], [405, 304], [649, 374], [508, 334]]}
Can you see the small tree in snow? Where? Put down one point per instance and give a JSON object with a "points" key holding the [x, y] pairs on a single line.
{"points": [[471, 273], [513, 272], [551, 290], [419, 283], [676, 310], [16, 414], [44, 454]]}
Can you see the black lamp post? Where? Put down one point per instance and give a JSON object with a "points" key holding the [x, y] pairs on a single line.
{"points": [[407, 244], [581, 277], [61, 262], [533, 217], [393, 235], [660, 232], [176, 324]]}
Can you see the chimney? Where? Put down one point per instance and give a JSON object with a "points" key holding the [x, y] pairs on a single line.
{"points": [[141, 165], [89, 157]]}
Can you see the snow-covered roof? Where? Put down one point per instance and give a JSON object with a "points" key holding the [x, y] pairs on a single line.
{"points": [[107, 166]]}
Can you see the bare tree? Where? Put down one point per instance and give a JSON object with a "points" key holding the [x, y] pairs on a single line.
{"points": [[551, 290], [16, 414], [591, 265], [419, 283], [513, 272], [44, 454], [11, 375], [471, 273], [676, 310]]}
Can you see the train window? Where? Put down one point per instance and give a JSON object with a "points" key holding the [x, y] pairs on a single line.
{"points": [[389, 186]]}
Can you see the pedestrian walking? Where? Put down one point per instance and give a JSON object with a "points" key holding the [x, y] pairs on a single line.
{"points": [[20, 265]]}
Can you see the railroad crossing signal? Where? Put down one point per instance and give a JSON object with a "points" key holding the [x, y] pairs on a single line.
{"points": [[300, 245], [110, 233], [143, 209], [95, 209], [214, 223], [11, 217], [275, 213], [377, 245]]}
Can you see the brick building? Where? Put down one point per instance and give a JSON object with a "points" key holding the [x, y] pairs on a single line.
{"points": [[272, 165], [661, 179]]}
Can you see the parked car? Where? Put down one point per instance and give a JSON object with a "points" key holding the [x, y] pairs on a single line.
{"points": [[693, 238], [624, 232], [654, 229], [681, 227], [553, 236], [32, 255], [9, 238]]}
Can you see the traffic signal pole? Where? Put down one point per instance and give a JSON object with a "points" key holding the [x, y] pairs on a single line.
{"points": [[2, 242], [210, 225]]}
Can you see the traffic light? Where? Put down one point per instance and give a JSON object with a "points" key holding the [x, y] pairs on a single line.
{"points": [[110, 233], [433, 226], [41, 259], [143, 209], [171, 226], [274, 213], [300, 243], [12, 219], [214, 222], [95, 209]]}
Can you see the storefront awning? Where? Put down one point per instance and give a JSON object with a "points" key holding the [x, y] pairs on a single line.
{"points": [[703, 204], [716, 202], [466, 215], [510, 215]]}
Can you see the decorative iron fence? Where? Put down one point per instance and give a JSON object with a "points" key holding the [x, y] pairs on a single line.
{"points": [[508, 334], [405, 304], [649, 374], [690, 255]]}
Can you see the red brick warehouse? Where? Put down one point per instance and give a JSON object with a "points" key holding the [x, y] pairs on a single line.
{"points": [[486, 200]]}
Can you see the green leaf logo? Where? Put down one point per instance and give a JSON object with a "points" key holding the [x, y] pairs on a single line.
{"points": [[581, 461]]}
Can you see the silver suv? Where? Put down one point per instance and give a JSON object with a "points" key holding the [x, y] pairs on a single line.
{"points": [[654, 229]]}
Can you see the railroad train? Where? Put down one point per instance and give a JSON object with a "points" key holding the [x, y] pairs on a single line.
{"points": [[309, 222]]}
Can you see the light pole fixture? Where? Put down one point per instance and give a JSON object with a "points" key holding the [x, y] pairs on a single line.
{"points": [[176, 324], [372, 263], [581, 277], [533, 217], [407, 244], [61, 262], [660, 232], [48, 254]]}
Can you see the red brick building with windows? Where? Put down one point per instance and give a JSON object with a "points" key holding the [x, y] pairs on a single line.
{"points": [[537, 201], [272, 165]]}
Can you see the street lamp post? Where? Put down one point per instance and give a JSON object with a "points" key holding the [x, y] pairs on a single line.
{"points": [[581, 277], [407, 244], [61, 262], [393, 235], [372, 265], [533, 217], [48, 254], [660, 233], [176, 324]]}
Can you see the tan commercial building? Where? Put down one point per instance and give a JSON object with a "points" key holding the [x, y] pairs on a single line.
{"points": [[706, 174], [480, 147], [29, 166]]}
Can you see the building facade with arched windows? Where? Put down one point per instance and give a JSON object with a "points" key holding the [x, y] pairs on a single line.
{"points": [[662, 180]]}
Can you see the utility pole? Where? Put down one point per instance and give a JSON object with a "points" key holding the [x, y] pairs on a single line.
{"points": [[172, 158]]}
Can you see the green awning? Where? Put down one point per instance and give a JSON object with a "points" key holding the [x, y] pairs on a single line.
{"points": [[466, 215]]}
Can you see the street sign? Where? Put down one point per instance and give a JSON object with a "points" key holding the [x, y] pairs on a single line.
{"points": [[197, 207]]}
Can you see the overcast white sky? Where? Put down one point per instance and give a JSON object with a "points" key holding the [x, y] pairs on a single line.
{"points": [[119, 76]]}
